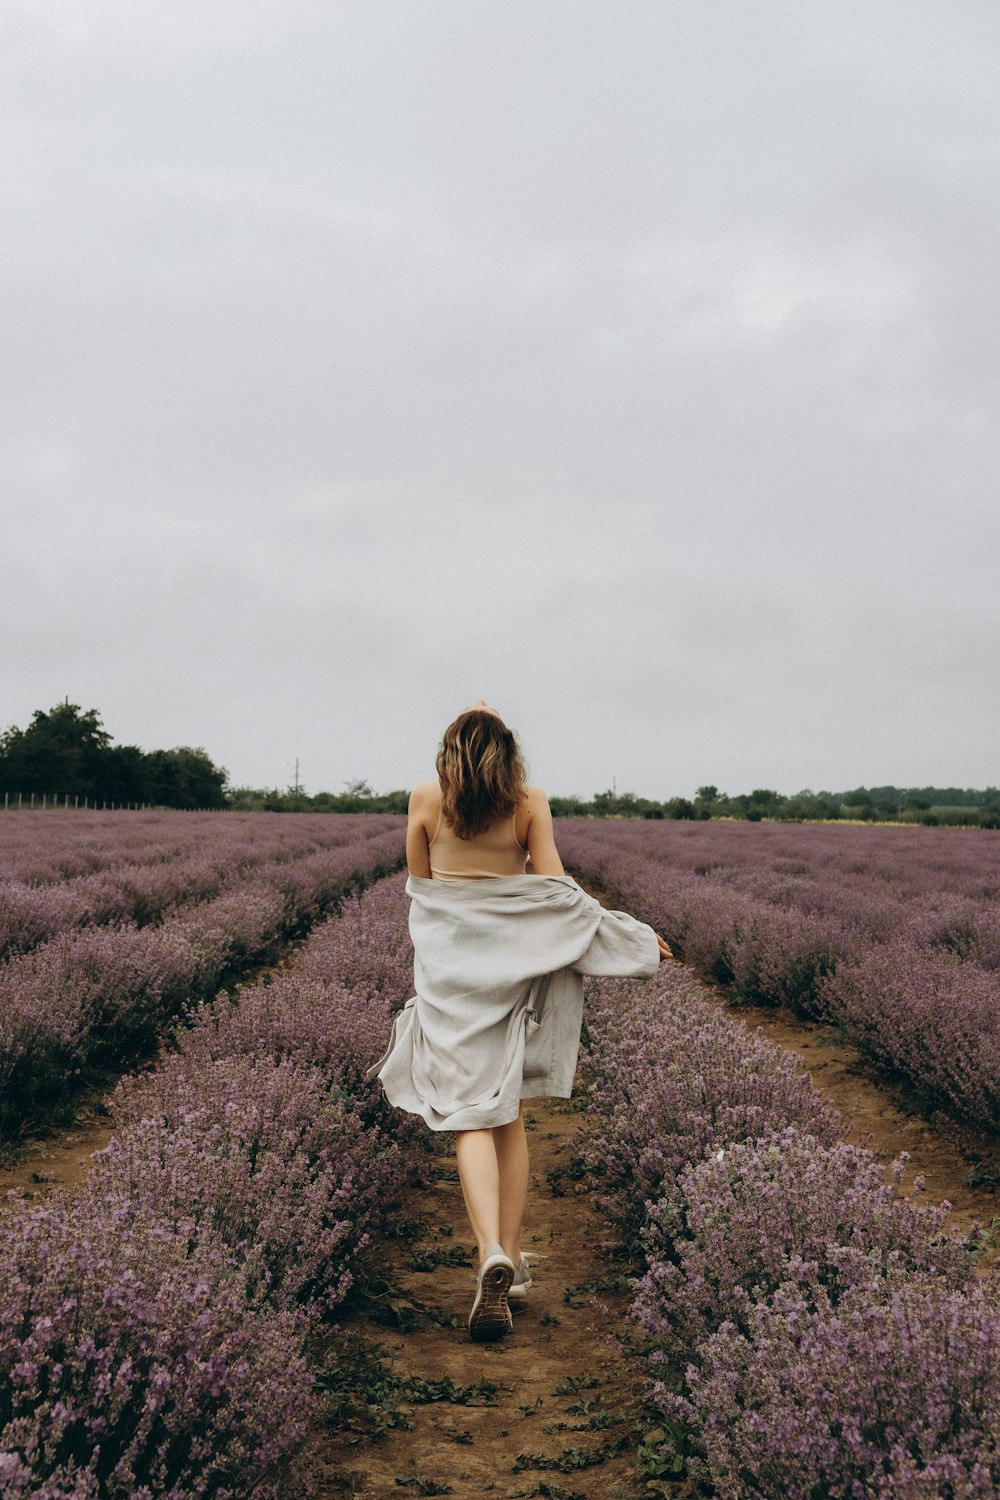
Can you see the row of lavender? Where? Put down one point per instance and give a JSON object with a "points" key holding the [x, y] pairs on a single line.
{"points": [[64, 845], [156, 1333], [808, 1332], [79, 870], [892, 934], [99, 996]]}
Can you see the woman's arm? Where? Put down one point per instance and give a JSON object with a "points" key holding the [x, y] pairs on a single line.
{"points": [[418, 855], [542, 849]]}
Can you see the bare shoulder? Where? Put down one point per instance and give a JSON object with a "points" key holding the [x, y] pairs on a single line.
{"points": [[425, 794], [535, 809]]}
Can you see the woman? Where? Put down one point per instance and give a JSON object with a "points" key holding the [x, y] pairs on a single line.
{"points": [[499, 957]]}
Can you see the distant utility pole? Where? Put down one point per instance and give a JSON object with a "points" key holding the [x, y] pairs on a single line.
{"points": [[296, 776]]}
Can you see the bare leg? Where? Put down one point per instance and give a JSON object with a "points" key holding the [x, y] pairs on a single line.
{"points": [[512, 1160], [480, 1177], [493, 1168]]}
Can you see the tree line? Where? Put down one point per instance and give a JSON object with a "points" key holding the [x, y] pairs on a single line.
{"points": [[66, 752], [357, 796], [928, 805]]}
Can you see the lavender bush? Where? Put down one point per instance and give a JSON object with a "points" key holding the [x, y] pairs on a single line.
{"points": [[929, 1016], [260, 1157], [129, 1367], [62, 846], [820, 919], [145, 865], [897, 1399], [671, 1078], [334, 1011], [784, 1206]]}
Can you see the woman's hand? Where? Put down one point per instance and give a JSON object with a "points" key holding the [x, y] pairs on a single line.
{"points": [[664, 948]]}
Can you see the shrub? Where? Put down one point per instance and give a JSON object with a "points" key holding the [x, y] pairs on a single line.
{"points": [[897, 1399]]}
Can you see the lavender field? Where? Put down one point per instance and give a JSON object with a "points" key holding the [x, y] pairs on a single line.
{"points": [[156, 1330], [891, 934], [808, 1332], [803, 1329], [111, 926]]}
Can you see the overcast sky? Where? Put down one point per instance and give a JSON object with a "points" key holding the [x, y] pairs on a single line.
{"points": [[633, 365]]}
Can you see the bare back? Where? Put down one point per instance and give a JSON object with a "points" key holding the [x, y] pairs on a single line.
{"points": [[500, 850], [495, 851]]}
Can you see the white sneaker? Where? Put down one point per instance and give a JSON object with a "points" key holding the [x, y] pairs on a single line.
{"points": [[490, 1316], [522, 1283]]}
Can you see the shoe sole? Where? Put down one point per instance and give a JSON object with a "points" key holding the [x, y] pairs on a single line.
{"points": [[490, 1317]]}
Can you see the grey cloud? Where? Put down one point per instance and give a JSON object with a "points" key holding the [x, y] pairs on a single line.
{"points": [[633, 368]]}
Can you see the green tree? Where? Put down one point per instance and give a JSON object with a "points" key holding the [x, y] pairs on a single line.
{"points": [[185, 778], [61, 751], [124, 775]]}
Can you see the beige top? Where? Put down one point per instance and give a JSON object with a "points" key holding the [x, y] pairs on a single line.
{"points": [[492, 853]]}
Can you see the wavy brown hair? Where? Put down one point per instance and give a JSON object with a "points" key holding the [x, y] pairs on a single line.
{"points": [[481, 772]]}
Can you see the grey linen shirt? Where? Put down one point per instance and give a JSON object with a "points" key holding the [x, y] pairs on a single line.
{"points": [[498, 972]]}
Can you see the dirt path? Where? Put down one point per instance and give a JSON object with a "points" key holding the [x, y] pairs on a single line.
{"points": [[560, 1415], [59, 1162]]}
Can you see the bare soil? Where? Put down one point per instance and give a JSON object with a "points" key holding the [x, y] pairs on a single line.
{"points": [[56, 1163]]}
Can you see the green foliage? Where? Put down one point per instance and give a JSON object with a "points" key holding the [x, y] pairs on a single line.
{"points": [[62, 750], [926, 805], [66, 752], [358, 797], [184, 778], [569, 1460], [570, 807], [422, 1483], [434, 1256]]}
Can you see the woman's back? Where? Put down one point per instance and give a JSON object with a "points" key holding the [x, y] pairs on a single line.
{"points": [[496, 851]]}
